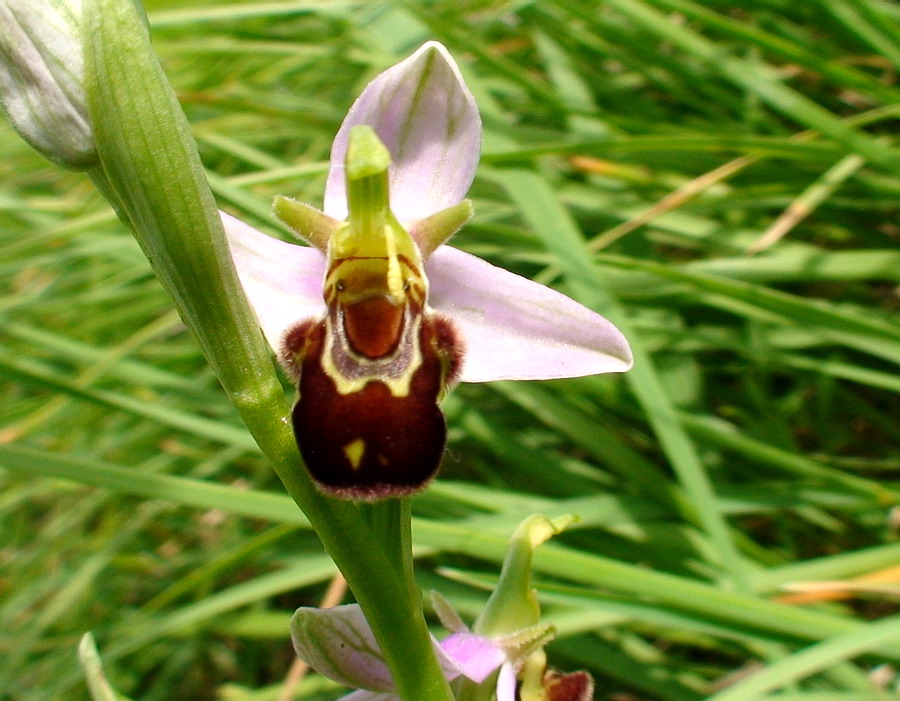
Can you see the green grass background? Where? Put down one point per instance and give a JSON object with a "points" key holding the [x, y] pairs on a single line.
{"points": [[721, 179]]}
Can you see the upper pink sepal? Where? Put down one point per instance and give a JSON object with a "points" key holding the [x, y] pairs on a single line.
{"points": [[423, 112]]}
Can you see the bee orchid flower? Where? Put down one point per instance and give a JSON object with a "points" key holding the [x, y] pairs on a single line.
{"points": [[377, 318]]}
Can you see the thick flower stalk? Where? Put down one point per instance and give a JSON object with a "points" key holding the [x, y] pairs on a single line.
{"points": [[377, 319]]}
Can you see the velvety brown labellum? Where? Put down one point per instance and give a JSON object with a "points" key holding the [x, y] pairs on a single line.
{"points": [[370, 444]]}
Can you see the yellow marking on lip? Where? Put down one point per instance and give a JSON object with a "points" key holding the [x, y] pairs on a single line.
{"points": [[354, 452]]}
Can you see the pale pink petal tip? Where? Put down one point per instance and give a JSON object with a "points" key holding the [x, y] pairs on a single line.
{"points": [[426, 117], [517, 329]]}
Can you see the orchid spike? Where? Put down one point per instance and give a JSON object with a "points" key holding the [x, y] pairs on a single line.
{"points": [[378, 319]]}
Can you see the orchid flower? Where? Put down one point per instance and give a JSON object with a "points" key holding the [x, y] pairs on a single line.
{"points": [[377, 319], [505, 657]]}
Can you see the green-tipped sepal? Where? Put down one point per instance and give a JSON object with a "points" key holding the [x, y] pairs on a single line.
{"points": [[437, 229], [313, 226]]}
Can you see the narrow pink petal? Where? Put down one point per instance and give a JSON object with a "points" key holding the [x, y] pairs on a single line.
{"points": [[424, 113], [506, 683], [473, 655], [517, 329], [282, 281]]}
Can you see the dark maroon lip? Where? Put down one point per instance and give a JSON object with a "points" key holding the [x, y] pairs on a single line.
{"points": [[372, 443]]}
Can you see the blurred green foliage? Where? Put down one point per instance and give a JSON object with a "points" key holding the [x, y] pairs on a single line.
{"points": [[721, 179]]}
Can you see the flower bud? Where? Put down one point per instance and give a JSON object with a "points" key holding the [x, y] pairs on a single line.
{"points": [[42, 78]]}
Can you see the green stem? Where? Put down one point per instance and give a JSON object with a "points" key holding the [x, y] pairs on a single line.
{"points": [[151, 173], [391, 525], [385, 520], [407, 565]]}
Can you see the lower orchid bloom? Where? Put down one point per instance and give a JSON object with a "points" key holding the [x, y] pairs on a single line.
{"points": [[377, 319], [339, 644], [504, 657]]}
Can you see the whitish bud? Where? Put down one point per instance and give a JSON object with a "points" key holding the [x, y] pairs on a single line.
{"points": [[42, 78]]}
